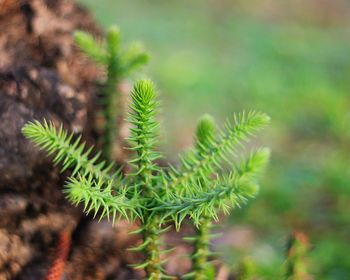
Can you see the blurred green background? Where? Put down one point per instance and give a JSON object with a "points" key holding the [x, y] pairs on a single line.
{"points": [[290, 59]]}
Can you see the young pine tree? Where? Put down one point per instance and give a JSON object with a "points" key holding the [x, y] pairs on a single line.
{"points": [[206, 142], [152, 194], [119, 63]]}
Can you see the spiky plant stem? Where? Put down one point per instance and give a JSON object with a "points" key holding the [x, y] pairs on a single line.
{"points": [[194, 165], [205, 135], [118, 63], [111, 94], [110, 113], [152, 251], [70, 153], [201, 249], [201, 240], [143, 136]]}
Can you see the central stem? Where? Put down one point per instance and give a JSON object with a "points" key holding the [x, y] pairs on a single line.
{"points": [[201, 251], [111, 99], [143, 134], [152, 251]]}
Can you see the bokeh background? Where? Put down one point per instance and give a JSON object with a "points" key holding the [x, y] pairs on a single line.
{"points": [[290, 59]]}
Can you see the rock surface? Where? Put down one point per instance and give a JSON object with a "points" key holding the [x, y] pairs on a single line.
{"points": [[42, 75]]}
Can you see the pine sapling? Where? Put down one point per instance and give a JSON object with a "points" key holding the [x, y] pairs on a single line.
{"points": [[119, 63], [149, 193], [144, 178], [201, 267], [249, 170]]}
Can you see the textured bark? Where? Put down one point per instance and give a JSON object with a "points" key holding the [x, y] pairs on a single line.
{"points": [[42, 75]]}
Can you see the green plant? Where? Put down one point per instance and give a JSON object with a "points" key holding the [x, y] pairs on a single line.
{"points": [[119, 63], [205, 141], [150, 193], [296, 260], [246, 269]]}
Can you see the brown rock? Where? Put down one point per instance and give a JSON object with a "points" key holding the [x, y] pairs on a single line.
{"points": [[43, 75]]}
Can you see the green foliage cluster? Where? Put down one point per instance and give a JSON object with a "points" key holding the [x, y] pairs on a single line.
{"points": [[150, 193], [205, 183], [232, 55], [119, 63]]}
